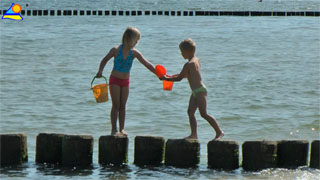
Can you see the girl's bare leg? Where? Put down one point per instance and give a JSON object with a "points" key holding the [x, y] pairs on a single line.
{"points": [[122, 111], [202, 105], [115, 97], [192, 119]]}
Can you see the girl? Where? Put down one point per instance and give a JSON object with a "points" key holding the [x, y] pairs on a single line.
{"points": [[119, 78]]}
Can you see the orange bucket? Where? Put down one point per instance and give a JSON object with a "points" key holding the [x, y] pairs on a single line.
{"points": [[160, 70], [167, 85], [100, 91]]}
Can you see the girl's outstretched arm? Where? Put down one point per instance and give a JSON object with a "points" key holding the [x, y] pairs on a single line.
{"points": [[144, 61], [104, 61]]}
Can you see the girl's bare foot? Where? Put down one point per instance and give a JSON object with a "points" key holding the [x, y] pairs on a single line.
{"points": [[124, 133], [114, 133], [219, 136], [191, 137]]}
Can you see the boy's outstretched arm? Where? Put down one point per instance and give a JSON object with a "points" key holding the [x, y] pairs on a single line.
{"points": [[144, 61], [177, 77], [104, 61]]}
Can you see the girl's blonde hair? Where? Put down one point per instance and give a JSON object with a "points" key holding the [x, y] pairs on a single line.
{"points": [[188, 44], [131, 36]]}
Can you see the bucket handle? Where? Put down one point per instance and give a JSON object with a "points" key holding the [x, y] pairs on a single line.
{"points": [[97, 77]]}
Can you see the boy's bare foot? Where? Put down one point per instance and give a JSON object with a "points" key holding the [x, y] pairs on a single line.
{"points": [[124, 133], [219, 136], [191, 137]]}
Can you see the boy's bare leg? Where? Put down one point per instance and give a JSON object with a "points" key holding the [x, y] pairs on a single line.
{"points": [[202, 105], [115, 97], [192, 119], [122, 112]]}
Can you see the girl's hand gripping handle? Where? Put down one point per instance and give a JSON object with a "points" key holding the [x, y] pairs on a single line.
{"points": [[99, 74]]}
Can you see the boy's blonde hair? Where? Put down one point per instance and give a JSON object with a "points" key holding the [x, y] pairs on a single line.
{"points": [[188, 44], [131, 36]]}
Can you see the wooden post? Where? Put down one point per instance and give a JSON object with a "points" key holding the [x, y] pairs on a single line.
{"points": [[223, 155], [182, 153], [77, 150], [13, 149], [259, 155], [113, 150], [49, 148], [148, 150], [292, 154], [315, 151]]}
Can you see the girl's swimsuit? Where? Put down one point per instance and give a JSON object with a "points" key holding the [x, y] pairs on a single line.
{"points": [[122, 65], [117, 81], [200, 89]]}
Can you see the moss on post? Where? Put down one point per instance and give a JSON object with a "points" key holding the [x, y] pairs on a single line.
{"points": [[13, 149], [182, 153], [223, 155], [113, 150], [148, 150]]}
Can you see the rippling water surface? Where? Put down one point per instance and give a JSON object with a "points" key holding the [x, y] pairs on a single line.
{"points": [[262, 74]]}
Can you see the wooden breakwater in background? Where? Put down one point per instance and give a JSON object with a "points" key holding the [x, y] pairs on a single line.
{"points": [[47, 12], [77, 150]]}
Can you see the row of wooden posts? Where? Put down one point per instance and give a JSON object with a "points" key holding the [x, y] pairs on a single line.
{"points": [[47, 12], [77, 150]]}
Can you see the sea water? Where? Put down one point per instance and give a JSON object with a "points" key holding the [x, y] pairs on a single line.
{"points": [[262, 75]]}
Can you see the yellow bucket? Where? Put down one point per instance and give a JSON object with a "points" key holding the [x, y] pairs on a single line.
{"points": [[100, 91]]}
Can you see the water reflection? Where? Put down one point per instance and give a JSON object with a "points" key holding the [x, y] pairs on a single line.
{"points": [[115, 172], [14, 171], [49, 171], [158, 172], [58, 170]]}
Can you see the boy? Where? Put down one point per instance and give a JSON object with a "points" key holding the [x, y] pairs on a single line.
{"points": [[191, 70]]}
